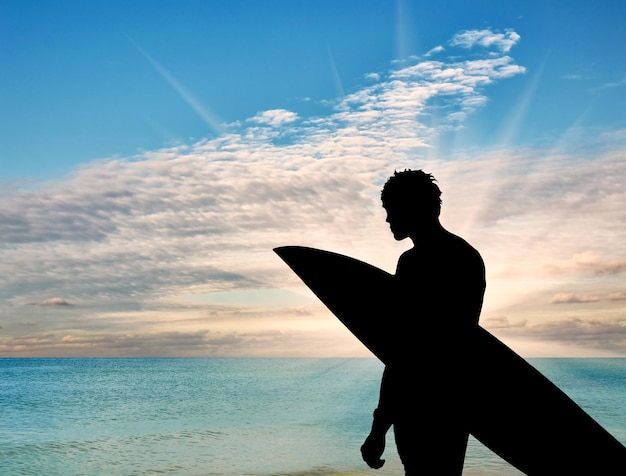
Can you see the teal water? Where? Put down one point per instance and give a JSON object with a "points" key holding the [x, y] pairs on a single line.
{"points": [[229, 416]]}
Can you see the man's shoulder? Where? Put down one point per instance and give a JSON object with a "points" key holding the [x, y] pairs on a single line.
{"points": [[465, 253], [450, 248], [461, 245], [413, 254]]}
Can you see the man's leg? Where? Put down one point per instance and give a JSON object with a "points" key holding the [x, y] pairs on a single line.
{"points": [[428, 450]]}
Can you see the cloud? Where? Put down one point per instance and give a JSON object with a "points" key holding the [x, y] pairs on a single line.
{"points": [[610, 85], [570, 298], [435, 50], [55, 301], [573, 76], [617, 297], [30, 345], [131, 238], [186, 343], [274, 117], [486, 38], [591, 263], [109, 344], [501, 322], [607, 335], [573, 298]]}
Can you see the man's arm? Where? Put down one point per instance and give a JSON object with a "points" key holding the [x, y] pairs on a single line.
{"points": [[374, 444]]}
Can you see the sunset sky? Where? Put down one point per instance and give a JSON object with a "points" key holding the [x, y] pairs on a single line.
{"points": [[153, 154]]}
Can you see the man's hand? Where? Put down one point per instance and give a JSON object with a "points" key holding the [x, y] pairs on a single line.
{"points": [[373, 449]]}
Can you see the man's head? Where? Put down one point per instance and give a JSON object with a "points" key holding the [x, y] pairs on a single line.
{"points": [[412, 200]]}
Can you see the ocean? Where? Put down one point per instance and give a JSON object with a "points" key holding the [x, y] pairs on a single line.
{"points": [[252, 417]]}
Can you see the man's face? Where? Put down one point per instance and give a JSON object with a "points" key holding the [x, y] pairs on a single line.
{"points": [[401, 220]]}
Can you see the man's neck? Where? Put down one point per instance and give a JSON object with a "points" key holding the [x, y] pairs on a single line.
{"points": [[428, 234]]}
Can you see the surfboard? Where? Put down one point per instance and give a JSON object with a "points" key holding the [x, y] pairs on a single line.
{"points": [[516, 411]]}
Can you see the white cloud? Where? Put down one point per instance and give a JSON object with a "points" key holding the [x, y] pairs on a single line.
{"points": [[127, 239], [486, 38], [275, 117], [56, 301], [435, 50]]}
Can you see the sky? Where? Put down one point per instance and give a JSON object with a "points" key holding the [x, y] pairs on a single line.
{"points": [[153, 153]]}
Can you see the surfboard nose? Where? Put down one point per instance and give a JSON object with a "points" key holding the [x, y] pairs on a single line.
{"points": [[294, 254], [288, 250], [282, 250]]}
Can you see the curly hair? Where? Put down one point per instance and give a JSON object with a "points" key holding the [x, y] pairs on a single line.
{"points": [[413, 187]]}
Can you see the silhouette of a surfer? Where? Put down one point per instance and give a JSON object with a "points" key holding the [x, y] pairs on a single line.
{"points": [[445, 376], [441, 283]]}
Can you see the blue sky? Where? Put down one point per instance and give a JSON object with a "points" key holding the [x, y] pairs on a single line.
{"points": [[153, 153], [77, 84]]}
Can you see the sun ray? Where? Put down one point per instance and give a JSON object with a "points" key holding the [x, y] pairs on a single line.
{"points": [[403, 27], [339, 91], [208, 117], [500, 164], [516, 118]]}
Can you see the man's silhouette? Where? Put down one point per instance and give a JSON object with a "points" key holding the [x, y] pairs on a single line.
{"points": [[440, 285]]}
